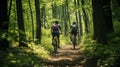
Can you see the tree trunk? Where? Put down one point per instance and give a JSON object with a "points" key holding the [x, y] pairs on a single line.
{"points": [[85, 17], [38, 21], [31, 19], [118, 2], [54, 10], [67, 13], [94, 19], [101, 32], [45, 23], [65, 20], [76, 14], [15, 18], [108, 16], [62, 15], [20, 20], [9, 10], [3, 16], [4, 43], [99, 20], [43, 16], [80, 22]]}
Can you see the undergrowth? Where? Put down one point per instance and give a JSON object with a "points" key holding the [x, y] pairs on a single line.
{"points": [[107, 54], [23, 56], [33, 55]]}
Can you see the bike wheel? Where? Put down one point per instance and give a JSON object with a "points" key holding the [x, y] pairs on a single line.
{"points": [[56, 45]]}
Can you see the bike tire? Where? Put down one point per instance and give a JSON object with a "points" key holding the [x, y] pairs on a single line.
{"points": [[56, 45]]}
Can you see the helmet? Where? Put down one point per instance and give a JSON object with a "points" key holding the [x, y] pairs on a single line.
{"points": [[56, 22], [74, 22]]}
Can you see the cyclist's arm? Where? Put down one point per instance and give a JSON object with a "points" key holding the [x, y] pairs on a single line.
{"points": [[60, 28]]}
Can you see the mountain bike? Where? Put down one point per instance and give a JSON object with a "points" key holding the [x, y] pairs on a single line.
{"points": [[55, 43]]}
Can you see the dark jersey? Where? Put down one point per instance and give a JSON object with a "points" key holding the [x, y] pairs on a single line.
{"points": [[74, 28]]}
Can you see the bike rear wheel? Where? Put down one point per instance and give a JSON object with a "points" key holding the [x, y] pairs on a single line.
{"points": [[55, 44], [74, 42]]}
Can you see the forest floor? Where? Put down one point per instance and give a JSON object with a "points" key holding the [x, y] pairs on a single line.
{"points": [[66, 57], [27, 57]]}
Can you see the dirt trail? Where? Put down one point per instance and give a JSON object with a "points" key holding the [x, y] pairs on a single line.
{"points": [[66, 57]]}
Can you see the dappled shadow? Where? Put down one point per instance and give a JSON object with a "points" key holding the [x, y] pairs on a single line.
{"points": [[66, 62], [19, 57], [24, 57], [66, 57]]}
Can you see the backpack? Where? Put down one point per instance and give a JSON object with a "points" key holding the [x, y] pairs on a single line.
{"points": [[74, 28], [55, 27]]}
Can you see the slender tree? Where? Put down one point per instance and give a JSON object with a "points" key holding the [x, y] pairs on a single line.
{"points": [[95, 8], [65, 20], [15, 17], [108, 15], [62, 14], [31, 13], [85, 17], [66, 16], [80, 22], [118, 2], [76, 13], [54, 10], [43, 16], [4, 43], [9, 9], [38, 21], [20, 20], [3, 15]]}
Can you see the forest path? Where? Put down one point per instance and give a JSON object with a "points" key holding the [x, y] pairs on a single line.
{"points": [[66, 57]]}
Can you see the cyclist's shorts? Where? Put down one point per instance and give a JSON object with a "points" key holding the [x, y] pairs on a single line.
{"points": [[55, 34], [74, 33]]}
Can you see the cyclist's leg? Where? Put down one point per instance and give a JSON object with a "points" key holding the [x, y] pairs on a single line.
{"points": [[53, 35], [75, 38], [58, 36]]}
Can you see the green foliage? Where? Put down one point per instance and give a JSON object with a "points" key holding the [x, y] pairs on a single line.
{"points": [[115, 9], [47, 40], [24, 57], [107, 54], [88, 45], [32, 56]]}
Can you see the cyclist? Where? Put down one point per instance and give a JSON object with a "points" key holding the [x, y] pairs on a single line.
{"points": [[73, 30], [55, 31]]}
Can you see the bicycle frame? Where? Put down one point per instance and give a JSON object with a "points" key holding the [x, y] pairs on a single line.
{"points": [[55, 43], [73, 41]]}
